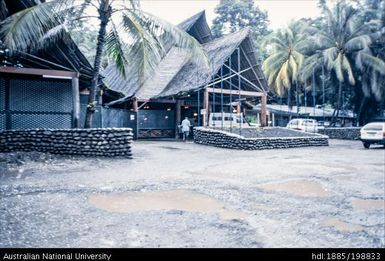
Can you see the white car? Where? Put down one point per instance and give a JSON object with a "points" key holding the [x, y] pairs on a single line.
{"points": [[373, 133], [303, 125], [219, 119]]}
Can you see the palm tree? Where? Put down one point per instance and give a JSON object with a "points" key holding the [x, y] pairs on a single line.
{"points": [[343, 46], [286, 59], [127, 35]]}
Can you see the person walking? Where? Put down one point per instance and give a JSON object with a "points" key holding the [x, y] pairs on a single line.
{"points": [[185, 128]]}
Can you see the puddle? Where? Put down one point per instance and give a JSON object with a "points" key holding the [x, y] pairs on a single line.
{"points": [[341, 225], [368, 204], [231, 214], [183, 200], [301, 188], [170, 148]]}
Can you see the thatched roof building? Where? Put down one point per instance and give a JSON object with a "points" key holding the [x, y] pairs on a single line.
{"points": [[177, 74]]}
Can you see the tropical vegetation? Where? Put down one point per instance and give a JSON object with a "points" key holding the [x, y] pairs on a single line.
{"points": [[341, 52]]}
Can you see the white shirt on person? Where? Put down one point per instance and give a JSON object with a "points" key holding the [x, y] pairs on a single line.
{"points": [[186, 125]]}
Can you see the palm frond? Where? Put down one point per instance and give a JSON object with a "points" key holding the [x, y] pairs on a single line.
{"points": [[358, 43], [373, 62], [24, 29], [347, 67], [173, 35], [337, 65], [330, 56], [115, 49], [311, 63], [285, 74], [145, 51]]}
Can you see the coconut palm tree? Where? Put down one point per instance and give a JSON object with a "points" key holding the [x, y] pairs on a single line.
{"points": [[286, 58], [343, 46], [127, 35]]}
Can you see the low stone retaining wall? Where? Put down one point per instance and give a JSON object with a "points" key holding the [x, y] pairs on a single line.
{"points": [[109, 142], [349, 133], [223, 139]]}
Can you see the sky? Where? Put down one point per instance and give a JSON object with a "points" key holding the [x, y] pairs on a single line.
{"points": [[280, 11]]}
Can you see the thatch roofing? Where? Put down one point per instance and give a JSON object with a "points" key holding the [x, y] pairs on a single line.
{"points": [[192, 76], [197, 27], [177, 74]]}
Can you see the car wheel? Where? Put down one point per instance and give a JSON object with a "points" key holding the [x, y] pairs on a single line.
{"points": [[366, 145]]}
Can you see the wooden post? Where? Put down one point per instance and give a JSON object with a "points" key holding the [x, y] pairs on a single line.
{"points": [[206, 107], [177, 117], [135, 105], [76, 102], [263, 110]]}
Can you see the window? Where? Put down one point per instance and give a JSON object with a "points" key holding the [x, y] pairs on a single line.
{"points": [[374, 127]]}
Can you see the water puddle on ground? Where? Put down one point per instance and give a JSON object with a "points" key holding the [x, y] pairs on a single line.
{"points": [[368, 204], [341, 225], [183, 200], [301, 188]]}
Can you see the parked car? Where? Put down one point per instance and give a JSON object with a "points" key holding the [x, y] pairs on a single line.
{"points": [[303, 125], [373, 133]]}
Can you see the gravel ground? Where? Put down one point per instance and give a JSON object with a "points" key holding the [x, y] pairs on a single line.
{"points": [[268, 132], [187, 195]]}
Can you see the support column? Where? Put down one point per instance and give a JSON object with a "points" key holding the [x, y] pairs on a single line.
{"points": [[263, 110], [135, 105], [76, 103], [178, 119], [206, 107]]}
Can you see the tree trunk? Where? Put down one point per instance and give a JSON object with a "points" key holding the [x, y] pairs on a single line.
{"points": [[104, 16], [297, 97], [289, 106], [360, 110], [337, 109]]}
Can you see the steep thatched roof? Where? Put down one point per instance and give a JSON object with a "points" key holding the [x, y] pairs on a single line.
{"points": [[175, 59], [177, 73], [193, 76], [197, 27]]}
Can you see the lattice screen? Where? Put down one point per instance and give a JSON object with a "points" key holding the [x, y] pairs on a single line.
{"points": [[42, 96], [31, 121], [2, 121], [2, 94]]}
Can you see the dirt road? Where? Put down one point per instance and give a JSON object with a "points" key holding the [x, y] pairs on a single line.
{"points": [[186, 195]]}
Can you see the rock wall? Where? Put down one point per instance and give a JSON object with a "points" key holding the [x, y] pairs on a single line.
{"points": [[108, 142], [223, 139], [349, 133]]}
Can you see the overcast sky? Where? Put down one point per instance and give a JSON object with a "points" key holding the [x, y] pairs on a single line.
{"points": [[280, 11]]}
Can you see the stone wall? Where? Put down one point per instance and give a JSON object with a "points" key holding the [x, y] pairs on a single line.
{"points": [[109, 142], [223, 139], [349, 133]]}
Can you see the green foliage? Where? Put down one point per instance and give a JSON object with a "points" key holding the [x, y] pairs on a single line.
{"points": [[347, 42], [286, 56], [234, 15]]}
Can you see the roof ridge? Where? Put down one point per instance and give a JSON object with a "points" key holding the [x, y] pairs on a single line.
{"points": [[230, 34], [186, 24]]}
